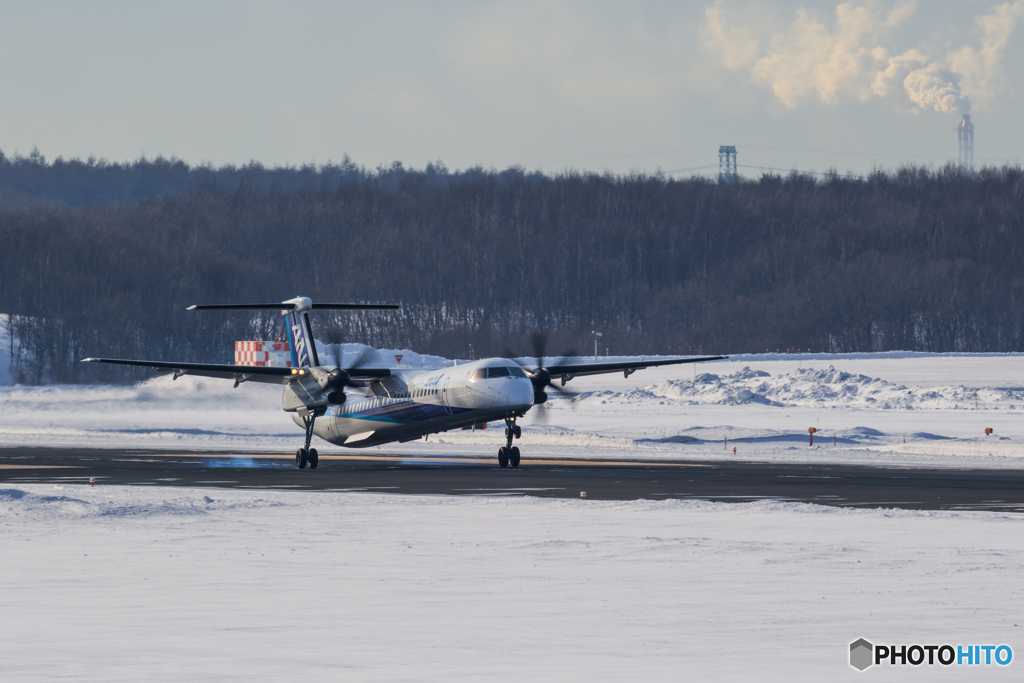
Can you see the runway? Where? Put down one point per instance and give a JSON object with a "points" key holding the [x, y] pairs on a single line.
{"points": [[838, 485]]}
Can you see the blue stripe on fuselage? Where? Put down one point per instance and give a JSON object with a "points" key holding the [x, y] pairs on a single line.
{"points": [[403, 411]]}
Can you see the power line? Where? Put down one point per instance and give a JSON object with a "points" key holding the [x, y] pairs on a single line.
{"points": [[868, 154], [864, 154], [775, 170], [766, 168], [692, 168], [629, 156]]}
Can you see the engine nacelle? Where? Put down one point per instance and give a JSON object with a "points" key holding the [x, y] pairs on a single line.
{"points": [[539, 397]]}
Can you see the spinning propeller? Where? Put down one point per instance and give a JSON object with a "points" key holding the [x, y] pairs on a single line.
{"points": [[339, 377], [540, 376]]}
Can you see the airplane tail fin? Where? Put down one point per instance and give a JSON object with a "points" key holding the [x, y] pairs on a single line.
{"points": [[300, 333], [300, 339]]}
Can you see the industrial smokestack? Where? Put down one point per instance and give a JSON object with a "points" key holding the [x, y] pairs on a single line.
{"points": [[965, 143]]}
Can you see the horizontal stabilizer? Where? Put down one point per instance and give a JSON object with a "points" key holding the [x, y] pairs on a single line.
{"points": [[286, 306]]}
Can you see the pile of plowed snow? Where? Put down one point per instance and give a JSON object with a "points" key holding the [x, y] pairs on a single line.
{"points": [[814, 388]]}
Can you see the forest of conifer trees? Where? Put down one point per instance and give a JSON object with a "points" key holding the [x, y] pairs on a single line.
{"points": [[102, 259]]}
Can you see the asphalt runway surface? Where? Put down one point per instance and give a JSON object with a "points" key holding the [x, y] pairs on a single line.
{"points": [[825, 484]]}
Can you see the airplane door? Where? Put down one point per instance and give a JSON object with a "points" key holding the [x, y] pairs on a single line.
{"points": [[444, 396]]}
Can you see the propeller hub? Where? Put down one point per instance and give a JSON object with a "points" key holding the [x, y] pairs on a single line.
{"points": [[541, 378], [338, 378]]}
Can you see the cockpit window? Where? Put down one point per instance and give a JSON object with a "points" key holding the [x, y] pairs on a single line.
{"points": [[479, 374], [514, 371]]}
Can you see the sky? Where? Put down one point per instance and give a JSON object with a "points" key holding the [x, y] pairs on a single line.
{"points": [[551, 86]]}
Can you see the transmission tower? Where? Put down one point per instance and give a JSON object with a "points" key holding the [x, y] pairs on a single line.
{"points": [[727, 164]]}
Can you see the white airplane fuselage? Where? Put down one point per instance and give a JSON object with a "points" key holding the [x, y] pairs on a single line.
{"points": [[413, 403]]}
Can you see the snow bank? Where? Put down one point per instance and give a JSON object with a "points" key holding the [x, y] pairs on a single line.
{"points": [[351, 354], [158, 413], [826, 387], [59, 504], [129, 584]]}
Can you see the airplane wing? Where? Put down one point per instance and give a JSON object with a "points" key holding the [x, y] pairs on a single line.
{"points": [[239, 373], [626, 367]]}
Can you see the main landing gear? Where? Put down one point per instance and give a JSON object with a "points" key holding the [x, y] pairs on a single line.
{"points": [[509, 454], [306, 454]]}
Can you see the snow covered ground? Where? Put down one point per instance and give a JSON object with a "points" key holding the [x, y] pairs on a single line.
{"points": [[126, 584], [158, 584], [896, 408]]}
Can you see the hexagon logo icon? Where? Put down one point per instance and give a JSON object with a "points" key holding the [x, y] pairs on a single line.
{"points": [[862, 654]]}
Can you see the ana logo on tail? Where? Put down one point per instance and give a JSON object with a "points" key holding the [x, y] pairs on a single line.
{"points": [[301, 352], [301, 338]]}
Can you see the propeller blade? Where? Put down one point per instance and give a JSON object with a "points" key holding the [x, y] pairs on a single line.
{"points": [[339, 377], [571, 395], [561, 390], [511, 355], [539, 342]]}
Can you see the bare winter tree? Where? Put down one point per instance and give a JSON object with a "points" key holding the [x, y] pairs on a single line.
{"points": [[914, 259]]}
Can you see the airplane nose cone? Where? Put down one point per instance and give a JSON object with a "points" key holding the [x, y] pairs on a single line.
{"points": [[521, 394]]}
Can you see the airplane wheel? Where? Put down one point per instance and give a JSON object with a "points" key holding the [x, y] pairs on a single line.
{"points": [[513, 457], [517, 432], [300, 458], [314, 458], [503, 456]]}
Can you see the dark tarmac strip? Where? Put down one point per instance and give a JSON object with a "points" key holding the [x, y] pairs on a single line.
{"points": [[824, 484]]}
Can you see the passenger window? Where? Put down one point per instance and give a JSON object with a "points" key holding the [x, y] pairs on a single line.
{"points": [[497, 372]]}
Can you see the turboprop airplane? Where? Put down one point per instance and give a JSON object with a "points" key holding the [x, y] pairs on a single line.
{"points": [[396, 404]]}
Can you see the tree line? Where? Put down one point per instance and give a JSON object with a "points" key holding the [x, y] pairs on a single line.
{"points": [[913, 259]]}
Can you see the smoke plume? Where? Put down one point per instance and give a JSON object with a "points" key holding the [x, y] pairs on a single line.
{"points": [[812, 61], [922, 82]]}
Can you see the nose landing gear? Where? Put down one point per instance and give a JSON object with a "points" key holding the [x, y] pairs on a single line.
{"points": [[509, 454]]}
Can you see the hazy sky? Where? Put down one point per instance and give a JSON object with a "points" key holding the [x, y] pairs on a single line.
{"points": [[545, 85]]}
